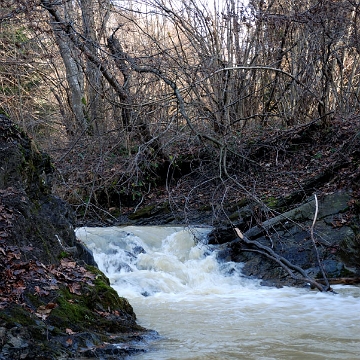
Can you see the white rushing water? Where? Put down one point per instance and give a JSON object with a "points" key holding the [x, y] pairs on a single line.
{"points": [[204, 309]]}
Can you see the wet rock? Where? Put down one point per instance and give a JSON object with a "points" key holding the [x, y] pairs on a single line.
{"points": [[288, 234], [223, 255], [54, 301], [138, 250], [37, 217], [222, 235], [84, 253], [124, 267]]}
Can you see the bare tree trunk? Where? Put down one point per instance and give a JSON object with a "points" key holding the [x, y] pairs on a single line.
{"points": [[119, 58], [94, 105], [73, 76]]}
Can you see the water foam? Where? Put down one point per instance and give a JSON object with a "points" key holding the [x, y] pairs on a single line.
{"points": [[209, 310], [150, 260]]}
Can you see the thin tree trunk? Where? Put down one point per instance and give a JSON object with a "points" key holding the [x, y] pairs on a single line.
{"points": [[94, 110], [73, 76]]}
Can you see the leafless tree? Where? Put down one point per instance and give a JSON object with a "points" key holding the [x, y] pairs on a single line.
{"points": [[152, 79]]}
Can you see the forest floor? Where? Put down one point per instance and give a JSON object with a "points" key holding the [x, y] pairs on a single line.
{"points": [[283, 168], [280, 168]]}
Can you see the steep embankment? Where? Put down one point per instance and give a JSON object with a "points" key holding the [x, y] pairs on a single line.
{"points": [[54, 302]]}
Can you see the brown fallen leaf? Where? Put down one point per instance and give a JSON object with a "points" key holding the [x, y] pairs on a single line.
{"points": [[75, 288], [102, 313], [51, 306], [40, 292], [51, 287], [18, 290], [68, 263]]}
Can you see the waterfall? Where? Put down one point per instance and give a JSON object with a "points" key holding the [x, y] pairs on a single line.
{"points": [[204, 308]]}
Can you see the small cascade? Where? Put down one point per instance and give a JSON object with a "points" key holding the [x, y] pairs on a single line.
{"points": [[206, 309], [160, 260]]}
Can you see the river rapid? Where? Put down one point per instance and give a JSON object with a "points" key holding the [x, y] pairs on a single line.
{"points": [[203, 308]]}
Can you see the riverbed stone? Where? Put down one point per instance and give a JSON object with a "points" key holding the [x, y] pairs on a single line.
{"points": [[289, 235]]}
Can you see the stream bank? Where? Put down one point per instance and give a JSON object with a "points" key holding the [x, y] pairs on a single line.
{"points": [[269, 197], [54, 302]]}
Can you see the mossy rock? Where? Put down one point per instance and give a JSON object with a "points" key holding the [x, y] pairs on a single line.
{"points": [[14, 315], [99, 308], [104, 296], [150, 211], [145, 212], [70, 327], [94, 315], [272, 202], [51, 322], [39, 218]]}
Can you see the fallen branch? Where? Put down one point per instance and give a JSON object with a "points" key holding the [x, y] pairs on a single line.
{"points": [[284, 263], [315, 247]]}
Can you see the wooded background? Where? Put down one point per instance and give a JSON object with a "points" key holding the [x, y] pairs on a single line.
{"points": [[131, 95]]}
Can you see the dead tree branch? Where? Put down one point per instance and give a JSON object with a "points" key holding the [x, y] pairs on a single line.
{"points": [[284, 263], [314, 242]]}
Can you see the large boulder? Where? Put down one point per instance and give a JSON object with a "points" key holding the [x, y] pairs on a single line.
{"points": [[31, 215], [53, 302], [288, 235]]}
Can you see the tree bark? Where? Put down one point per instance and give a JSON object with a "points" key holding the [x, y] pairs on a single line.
{"points": [[73, 75]]}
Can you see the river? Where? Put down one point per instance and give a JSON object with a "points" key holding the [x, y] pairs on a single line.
{"points": [[206, 309]]}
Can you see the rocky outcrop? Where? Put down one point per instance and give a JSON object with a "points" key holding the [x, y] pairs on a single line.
{"points": [[54, 303], [288, 235], [31, 214]]}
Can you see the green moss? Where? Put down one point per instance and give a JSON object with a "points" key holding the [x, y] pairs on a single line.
{"points": [[234, 216], [98, 273], [15, 315], [151, 210], [71, 313], [272, 202], [238, 205], [63, 255], [145, 212], [104, 296], [34, 301], [86, 311]]}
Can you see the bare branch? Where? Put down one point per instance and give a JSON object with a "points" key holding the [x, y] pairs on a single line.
{"points": [[284, 263], [315, 247]]}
